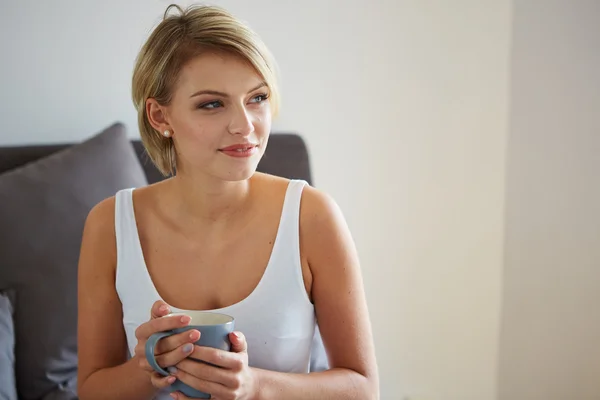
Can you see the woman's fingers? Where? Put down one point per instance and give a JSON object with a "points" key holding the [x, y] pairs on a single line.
{"points": [[168, 359], [216, 390], [159, 381], [172, 342], [206, 372], [238, 342], [175, 356], [218, 357], [167, 323], [159, 309]]}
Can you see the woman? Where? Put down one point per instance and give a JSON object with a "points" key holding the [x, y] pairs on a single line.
{"points": [[217, 235]]}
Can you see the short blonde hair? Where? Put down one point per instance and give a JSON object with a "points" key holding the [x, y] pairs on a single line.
{"points": [[177, 39]]}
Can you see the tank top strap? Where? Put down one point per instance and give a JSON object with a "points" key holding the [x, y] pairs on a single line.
{"points": [[285, 268], [123, 220], [289, 224], [130, 259], [290, 215]]}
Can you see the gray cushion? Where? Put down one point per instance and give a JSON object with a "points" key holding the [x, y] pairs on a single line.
{"points": [[43, 209], [67, 391], [8, 390]]}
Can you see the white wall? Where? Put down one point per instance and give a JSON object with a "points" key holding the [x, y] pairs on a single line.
{"points": [[550, 341], [404, 107]]}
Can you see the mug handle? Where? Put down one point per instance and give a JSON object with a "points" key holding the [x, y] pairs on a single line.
{"points": [[151, 347]]}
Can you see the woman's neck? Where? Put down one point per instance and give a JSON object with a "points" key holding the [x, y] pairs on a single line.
{"points": [[208, 200]]}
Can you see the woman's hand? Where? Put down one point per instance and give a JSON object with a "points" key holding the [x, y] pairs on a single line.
{"points": [[170, 350], [228, 378]]}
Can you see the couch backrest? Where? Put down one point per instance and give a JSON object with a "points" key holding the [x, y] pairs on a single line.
{"points": [[286, 156]]}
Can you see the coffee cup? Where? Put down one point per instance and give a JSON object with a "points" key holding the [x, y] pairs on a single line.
{"points": [[214, 331]]}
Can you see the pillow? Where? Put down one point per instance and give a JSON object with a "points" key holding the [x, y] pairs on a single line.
{"points": [[43, 207], [8, 390]]}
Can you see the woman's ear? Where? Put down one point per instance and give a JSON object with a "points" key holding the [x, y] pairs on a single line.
{"points": [[157, 116]]}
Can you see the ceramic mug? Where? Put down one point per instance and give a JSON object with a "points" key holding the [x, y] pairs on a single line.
{"points": [[214, 331]]}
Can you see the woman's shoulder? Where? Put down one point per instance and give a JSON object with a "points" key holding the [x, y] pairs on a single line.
{"points": [[314, 201], [101, 216], [317, 208], [272, 182], [98, 237], [268, 180], [100, 221], [324, 233], [103, 213], [268, 188]]}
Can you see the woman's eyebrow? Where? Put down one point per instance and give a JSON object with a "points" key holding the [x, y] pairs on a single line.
{"points": [[217, 93]]}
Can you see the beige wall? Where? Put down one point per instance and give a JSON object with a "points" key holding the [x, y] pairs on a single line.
{"points": [[550, 341], [404, 107], [438, 198]]}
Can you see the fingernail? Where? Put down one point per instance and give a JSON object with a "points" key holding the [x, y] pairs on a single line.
{"points": [[188, 348], [163, 308], [171, 379], [194, 335], [237, 335], [173, 395], [173, 371], [186, 319]]}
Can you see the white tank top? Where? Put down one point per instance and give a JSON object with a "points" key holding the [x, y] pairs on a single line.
{"points": [[277, 318]]}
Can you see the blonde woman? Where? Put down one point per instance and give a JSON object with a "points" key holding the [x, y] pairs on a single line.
{"points": [[217, 235]]}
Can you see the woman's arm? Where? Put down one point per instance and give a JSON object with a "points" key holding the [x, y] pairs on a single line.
{"points": [[340, 304], [104, 372]]}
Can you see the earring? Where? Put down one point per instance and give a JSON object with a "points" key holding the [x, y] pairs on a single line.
{"points": [[167, 133]]}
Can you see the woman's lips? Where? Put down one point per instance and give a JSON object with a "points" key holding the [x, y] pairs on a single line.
{"points": [[240, 150]]}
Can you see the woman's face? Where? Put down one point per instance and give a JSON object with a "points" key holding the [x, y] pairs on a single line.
{"points": [[220, 117]]}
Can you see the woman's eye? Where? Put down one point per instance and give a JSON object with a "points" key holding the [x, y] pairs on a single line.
{"points": [[260, 98], [211, 106]]}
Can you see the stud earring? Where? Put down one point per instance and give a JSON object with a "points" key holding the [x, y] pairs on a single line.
{"points": [[167, 133]]}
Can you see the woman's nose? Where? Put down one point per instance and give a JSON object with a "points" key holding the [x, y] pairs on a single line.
{"points": [[241, 122]]}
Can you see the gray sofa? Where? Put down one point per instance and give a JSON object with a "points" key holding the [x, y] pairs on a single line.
{"points": [[46, 192]]}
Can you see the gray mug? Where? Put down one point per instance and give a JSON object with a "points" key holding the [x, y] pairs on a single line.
{"points": [[214, 331]]}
